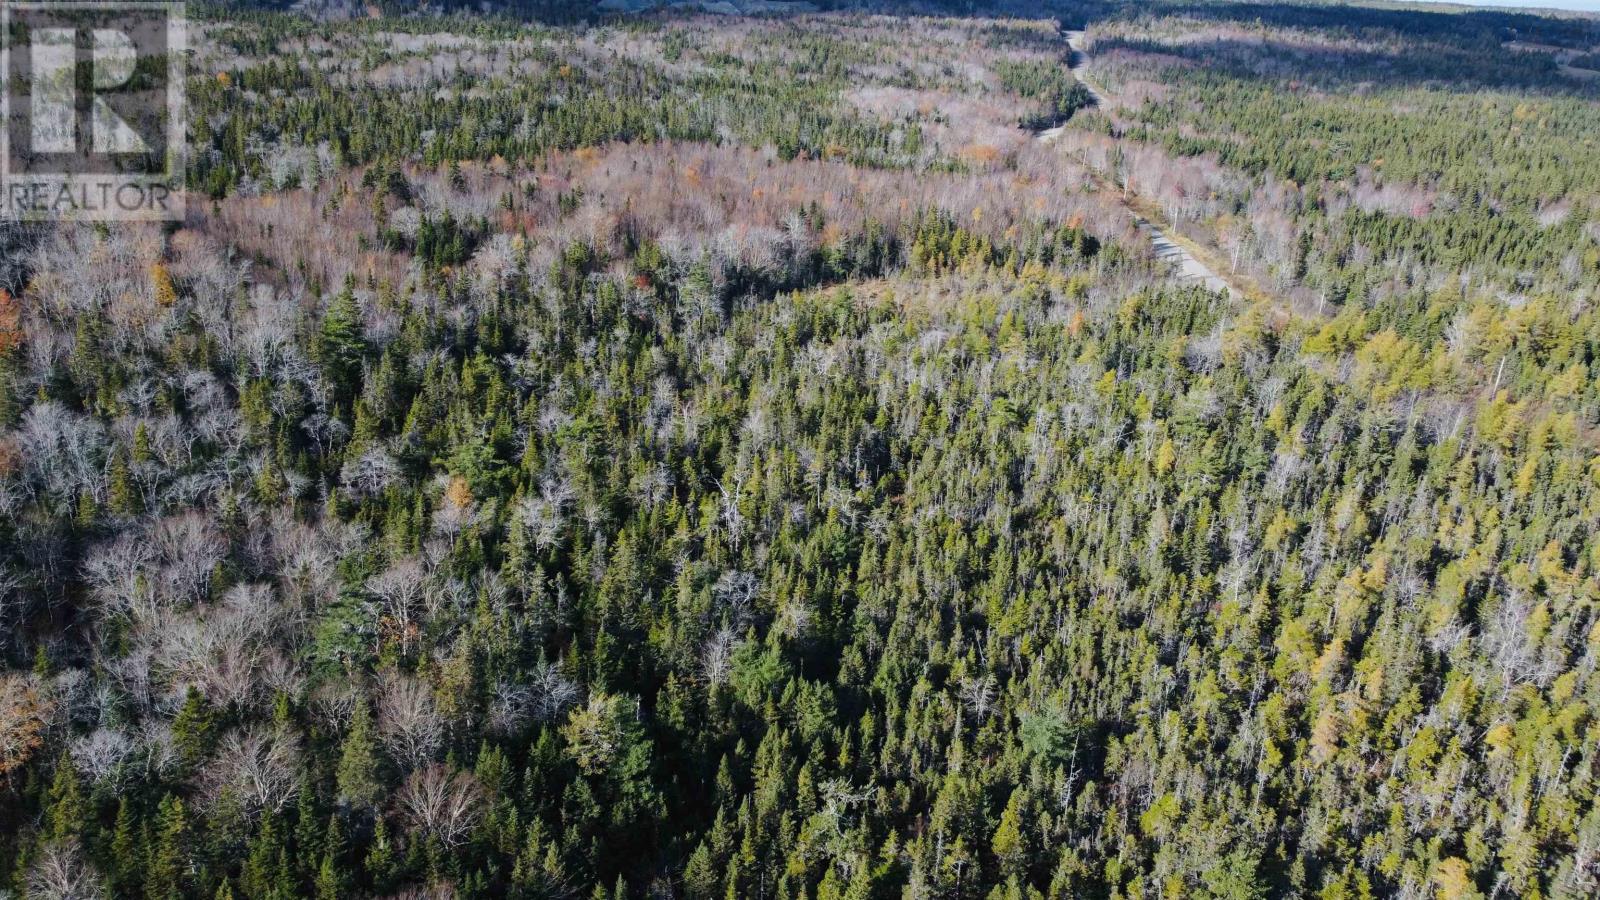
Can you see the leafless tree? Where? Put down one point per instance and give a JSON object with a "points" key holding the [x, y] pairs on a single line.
{"points": [[441, 594], [334, 703], [74, 695], [399, 591], [545, 515], [409, 724], [116, 575], [554, 692], [256, 767], [716, 659], [267, 332], [189, 547], [370, 473], [304, 557], [60, 872], [544, 697], [101, 753], [433, 890], [1510, 644], [444, 804], [63, 452], [736, 592], [509, 710], [157, 751], [226, 648], [456, 508], [13, 602], [977, 694]]}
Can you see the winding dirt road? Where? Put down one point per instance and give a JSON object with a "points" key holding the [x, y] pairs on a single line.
{"points": [[1186, 265]]}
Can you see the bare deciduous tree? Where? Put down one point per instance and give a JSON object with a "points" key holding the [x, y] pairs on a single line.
{"points": [[434, 890], [226, 647], [257, 768], [370, 473], [544, 697], [115, 574], [63, 452], [554, 692], [13, 602], [100, 753], [60, 872], [409, 724], [441, 803], [716, 659], [189, 547], [399, 590]]}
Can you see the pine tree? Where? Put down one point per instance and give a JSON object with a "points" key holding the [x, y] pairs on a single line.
{"points": [[120, 494], [341, 345], [88, 510], [381, 863], [357, 772], [166, 872], [192, 728], [330, 882], [126, 853], [67, 813], [143, 452], [700, 878], [1010, 843]]}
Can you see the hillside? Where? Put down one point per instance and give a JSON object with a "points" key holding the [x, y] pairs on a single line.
{"points": [[682, 454]]}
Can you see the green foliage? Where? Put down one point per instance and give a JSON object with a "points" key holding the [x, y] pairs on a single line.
{"points": [[358, 771], [931, 559], [193, 728], [1049, 84], [1406, 138]]}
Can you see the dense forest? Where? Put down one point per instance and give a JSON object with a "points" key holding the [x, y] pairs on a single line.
{"points": [[1340, 156], [575, 455]]}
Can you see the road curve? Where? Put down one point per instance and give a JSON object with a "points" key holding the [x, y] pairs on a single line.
{"points": [[1077, 61], [1186, 265]]}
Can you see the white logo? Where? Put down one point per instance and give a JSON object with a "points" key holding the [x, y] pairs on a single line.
{"points": [[106, 147], [54, 67]]}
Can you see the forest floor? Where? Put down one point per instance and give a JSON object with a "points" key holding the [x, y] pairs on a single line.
{"points": [[1188, 260]]}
